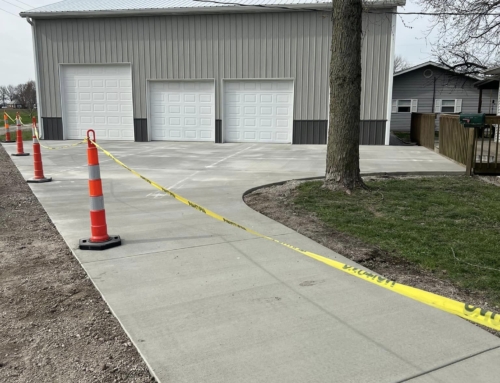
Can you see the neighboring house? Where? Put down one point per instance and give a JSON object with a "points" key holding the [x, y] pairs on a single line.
{"points": [[432, 88], [255, 71], [14, 104], [489, 86]]}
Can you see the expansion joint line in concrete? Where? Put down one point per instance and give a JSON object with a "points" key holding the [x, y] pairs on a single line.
{"points": [[461, 309], [176, 249], [447, 365]]}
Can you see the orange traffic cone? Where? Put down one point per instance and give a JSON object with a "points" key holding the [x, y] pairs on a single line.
{"points": [[37, 158], [7, 131], [19, 139], [99, 238]]}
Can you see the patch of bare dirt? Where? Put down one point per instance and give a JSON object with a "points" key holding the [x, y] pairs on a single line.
{"points": [[276, 202], [494, 180], [54, 325]]}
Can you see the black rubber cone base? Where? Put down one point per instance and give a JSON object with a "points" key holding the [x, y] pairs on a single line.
{"points": [[20, 154], [7, 142], [40, 180], [114, 240]]}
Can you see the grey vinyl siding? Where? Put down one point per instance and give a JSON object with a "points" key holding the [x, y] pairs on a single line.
{"points": [[259, 45], [413, 85]]}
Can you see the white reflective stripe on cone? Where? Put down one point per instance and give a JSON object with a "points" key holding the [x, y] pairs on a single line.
{"points": [[94, 172], [96, 203]]}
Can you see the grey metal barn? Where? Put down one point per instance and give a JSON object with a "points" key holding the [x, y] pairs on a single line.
{"points": [[194, 71]]}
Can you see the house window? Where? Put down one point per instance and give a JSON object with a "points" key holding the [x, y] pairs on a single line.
{"points": [[448, 106], [404, 106]]}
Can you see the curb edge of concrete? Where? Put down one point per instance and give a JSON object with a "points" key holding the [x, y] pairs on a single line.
{"points": [[431, 174]]}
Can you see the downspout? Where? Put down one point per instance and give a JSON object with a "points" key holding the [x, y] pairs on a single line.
{"points": [[480, 103], [434, 96], [391, 78], [492, 103], [37, 76]]}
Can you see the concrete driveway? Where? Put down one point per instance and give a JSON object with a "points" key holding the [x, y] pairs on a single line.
{"points": [[206, 302]]}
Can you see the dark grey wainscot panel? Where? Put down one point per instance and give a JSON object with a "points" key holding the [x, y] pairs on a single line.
{"points": [[309, 132], [52, 128], [218, 131], [372, 132], [140, 129]]}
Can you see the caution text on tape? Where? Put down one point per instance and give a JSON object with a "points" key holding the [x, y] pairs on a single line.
{"points": [[470, 312]]}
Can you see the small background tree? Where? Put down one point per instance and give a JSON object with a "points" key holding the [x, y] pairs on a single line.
{"points": [[400, 63], [3, 94], [26, 95], [11, 92]]}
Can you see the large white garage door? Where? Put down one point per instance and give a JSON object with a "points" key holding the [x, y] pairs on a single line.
{"points": [[258, 111], [97, 97], [182, 110]]}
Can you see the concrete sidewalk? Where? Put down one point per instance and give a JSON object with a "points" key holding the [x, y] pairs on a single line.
{"points": [[206, 302]]}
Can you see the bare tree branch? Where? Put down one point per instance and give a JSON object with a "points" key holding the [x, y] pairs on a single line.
{"points": [[468, 33], [11, 92], [4, 94], [400, 63], [26, 95]]}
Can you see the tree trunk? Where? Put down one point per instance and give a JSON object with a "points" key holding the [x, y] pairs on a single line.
{"points": [[342, 159]]}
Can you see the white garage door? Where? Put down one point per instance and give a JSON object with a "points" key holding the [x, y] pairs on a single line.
{"points": [[258, 111], [182, 110], [97, 97]]}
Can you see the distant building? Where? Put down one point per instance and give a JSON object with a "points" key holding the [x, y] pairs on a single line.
{"points": [[432, 88], [14, 104]]}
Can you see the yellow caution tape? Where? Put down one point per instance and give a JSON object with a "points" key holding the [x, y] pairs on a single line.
{"points": [[5, 113], [59, 147], [472, 313]]}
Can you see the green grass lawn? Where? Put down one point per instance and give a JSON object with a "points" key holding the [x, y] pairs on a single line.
{"points": [[27, 135], [25, 116], [425, 220], [405, 136]]}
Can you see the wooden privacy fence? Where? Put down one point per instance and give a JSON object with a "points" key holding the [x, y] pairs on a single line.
{"points": [[453, 138], [477, 149], [422, 129], [486, 147]]}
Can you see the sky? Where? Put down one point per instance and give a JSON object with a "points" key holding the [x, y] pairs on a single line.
{"points": [[17, 65]]}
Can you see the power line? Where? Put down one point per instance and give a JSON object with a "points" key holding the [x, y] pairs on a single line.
{"points": [[438, 13], [5, 1], [10, 13], [29, 5], [326, 9], [260, 6]]}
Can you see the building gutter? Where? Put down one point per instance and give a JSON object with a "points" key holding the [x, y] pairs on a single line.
{"points": [[228, 7], [176, 11]]}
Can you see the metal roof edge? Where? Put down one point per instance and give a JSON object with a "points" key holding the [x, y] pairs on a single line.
{"points": [[486, 81], [492, 71], [434, 64], [418, 67], [173, 11], [226, 8]]}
